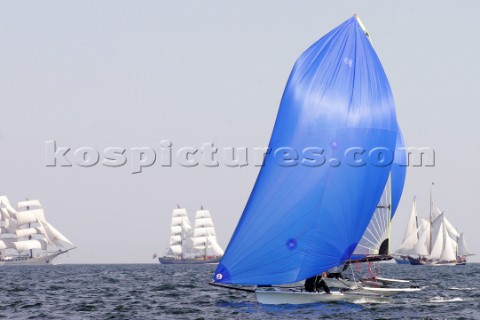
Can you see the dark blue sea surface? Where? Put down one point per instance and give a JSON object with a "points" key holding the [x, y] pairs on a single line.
{"points": [[182, 292]]}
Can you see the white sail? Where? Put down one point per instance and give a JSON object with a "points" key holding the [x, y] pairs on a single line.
{"points": [[201, 232], [449, 247], [4, 215], [444, 247], [29, 232], [204, 235], [55, 237], [176, 250], [425, 227], [30, 245], [10, 226], [412, 222], [411, 235], [5, 204], [452, 232], [462, 247], [199, 241], [29, 203], [421, 247], [203, 222], [437, 241], [175, 239], [26, 217], [407, 247], [174, 230], [202, 214], [216, 249], [179, 233]]}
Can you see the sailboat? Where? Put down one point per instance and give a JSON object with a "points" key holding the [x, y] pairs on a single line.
{"points": [[26, 238], [197, 245], [306, 217], [432, 242]]}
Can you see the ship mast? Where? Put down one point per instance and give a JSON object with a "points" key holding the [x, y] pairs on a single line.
{"points": [[431, 219], [30, 236]]}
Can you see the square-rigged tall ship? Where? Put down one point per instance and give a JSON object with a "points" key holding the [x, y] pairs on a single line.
{"points": [[26, 238], [197, 245]]}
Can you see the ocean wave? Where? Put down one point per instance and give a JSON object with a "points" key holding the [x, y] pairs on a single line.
{"points": [[369, 301], [445, 299], [462, 289]]}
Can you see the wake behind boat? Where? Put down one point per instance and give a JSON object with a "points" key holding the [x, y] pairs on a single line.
{"points": [[26, 238], [304, 219], [197, 245]]}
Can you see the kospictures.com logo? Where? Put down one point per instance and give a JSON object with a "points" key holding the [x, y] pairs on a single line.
{"points": [[208, 155]]}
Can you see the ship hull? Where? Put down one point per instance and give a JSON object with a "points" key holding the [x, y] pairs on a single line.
{"points": [[34, 261], [418, 262], [165, 260], [402, 261]]}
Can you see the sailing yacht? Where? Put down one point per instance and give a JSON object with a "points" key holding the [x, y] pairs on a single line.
{"points": [[26, 238], [197, 245], [432, 242], [303, 220]]}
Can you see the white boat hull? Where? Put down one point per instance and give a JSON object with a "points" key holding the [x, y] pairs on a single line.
{"points": [[389, 280], [34, 261], [277, 296]]}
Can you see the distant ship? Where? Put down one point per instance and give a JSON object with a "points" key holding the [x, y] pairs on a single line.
{"points": [[26, 238], [432, 242], [197, 245]]}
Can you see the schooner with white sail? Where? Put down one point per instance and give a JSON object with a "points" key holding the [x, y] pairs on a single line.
{"points": [[26, 238], [197, 245], [432, 242]]}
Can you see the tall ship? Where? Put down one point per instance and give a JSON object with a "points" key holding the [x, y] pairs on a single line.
{"points": [[26, 238], [433, 241], [197, 245]]}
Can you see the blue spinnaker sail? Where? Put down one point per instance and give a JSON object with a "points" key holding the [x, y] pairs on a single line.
{"points": [[399, 171], [317, 190]]}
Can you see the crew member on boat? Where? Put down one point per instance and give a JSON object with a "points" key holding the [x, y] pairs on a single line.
{"points": [[315, 283]]}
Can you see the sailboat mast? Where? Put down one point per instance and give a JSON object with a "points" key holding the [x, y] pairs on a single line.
{"points": [[205, 243], [456, 247], [182, 233], [30, 236], [431, 220]]}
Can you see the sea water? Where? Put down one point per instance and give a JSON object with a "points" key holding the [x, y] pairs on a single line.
{"points": [[154, 291]]}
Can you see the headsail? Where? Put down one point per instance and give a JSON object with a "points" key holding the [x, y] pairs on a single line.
{"points": [[304, 217], [462, 247], [412, 234]]}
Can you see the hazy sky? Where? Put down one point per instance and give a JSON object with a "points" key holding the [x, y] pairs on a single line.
{"points": [[131, 74]]}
